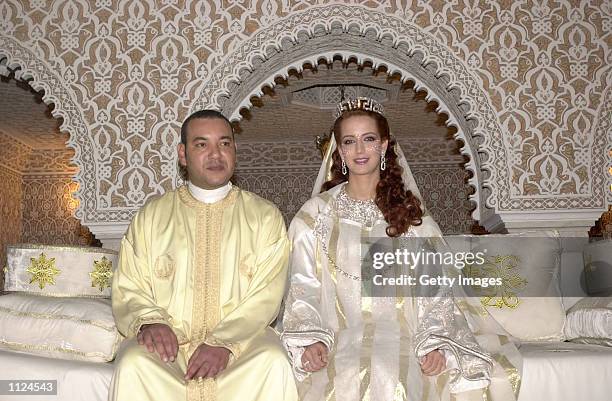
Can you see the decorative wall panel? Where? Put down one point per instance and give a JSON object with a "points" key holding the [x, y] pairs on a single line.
{"points": [[49, 161], [525, 82], [25, 117], [284, 173], [445, 192], [48, 211], [446, 202], [13, 154], [286, 188], [37, 201]]}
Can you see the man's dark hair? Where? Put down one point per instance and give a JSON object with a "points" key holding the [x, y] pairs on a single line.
{"points": [[202, 114]]}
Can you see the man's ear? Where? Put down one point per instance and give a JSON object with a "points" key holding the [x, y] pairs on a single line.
{"points": [[182, 154]]}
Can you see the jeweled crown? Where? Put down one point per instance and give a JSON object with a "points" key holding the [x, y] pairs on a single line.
{"points": [[359, 103]]}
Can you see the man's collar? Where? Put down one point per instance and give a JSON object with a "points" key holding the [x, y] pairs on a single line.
{"points": [[209, 195]]}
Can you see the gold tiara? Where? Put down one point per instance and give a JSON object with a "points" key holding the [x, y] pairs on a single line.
{"points": [[359, 103]]}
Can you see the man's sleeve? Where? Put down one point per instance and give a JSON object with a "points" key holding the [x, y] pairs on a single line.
{"points": [[132, 295], [262, 301]]}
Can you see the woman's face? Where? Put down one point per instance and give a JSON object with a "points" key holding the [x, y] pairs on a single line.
{"points": [[361, 145]]}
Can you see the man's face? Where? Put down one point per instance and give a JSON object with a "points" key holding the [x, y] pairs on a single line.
{"points": [[209, 154]]}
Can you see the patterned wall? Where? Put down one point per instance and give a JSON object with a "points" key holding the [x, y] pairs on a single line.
{"points": [[527, 83], [37, 201], [48, 211], [48, 202], [445, 193], [284, 173], [451, 51], [25, 117], [13, 154], [50, 161]]}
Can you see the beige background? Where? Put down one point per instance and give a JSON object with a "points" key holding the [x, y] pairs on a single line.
{"points": [[525, 86]]}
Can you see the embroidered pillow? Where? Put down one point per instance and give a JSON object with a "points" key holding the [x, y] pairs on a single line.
{"points": [[590, 321], [63, 328], [528, 304], [62, 271]]}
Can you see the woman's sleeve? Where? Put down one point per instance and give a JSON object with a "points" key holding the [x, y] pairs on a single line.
{"points": [[302, 320], [441, 326]]}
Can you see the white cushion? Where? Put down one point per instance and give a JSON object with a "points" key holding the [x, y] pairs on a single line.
{"points": [[76, 380], [529, 306], [62, 271], [64, 328], [590, 321]]}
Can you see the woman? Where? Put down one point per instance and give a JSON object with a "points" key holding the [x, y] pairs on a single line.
{"points": [[346, 346]]}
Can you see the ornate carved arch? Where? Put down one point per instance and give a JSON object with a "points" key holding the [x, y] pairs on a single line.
{"points": [[28, 66], [367, 35]]}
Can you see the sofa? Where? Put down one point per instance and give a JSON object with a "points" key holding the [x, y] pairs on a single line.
{"points": [[573, 370], [553, 369]]}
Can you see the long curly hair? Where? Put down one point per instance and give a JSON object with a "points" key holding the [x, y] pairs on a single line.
{"points": [[399, 206]]}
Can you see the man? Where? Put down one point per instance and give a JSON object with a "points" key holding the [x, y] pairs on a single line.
{"points": [[201, 276]]}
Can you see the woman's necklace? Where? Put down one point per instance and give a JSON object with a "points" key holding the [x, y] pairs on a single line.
{"points": [[361, 211], [364, 212]]}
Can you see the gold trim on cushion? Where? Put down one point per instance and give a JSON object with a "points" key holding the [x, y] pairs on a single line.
{"points": [[29, 348], [98, 323], [57, 294], [85, 327], [76, 248]]}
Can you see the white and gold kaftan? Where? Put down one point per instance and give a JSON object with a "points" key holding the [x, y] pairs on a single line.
{"points": [[215, 273], [375, 342]]}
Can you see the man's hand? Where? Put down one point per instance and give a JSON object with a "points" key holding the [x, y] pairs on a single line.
{"points": [[159, 337], [207, 361], [314, 357], [433, 363]]}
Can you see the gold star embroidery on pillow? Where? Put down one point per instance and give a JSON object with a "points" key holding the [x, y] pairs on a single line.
{"points": [[102, 274], [42, 271]]}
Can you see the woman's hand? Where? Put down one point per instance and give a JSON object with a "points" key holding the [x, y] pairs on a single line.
{"points": [[314, 357], [433, 363]]}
